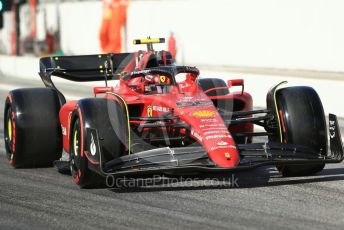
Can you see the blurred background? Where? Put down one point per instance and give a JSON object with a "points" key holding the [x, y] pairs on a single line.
{"points": [[263, 40], [293, 34]]}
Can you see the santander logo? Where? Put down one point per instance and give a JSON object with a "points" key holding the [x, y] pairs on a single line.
{"points": [[218, 136], [222, 143]]}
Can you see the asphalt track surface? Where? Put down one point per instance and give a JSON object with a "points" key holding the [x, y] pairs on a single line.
{"points": [[45, 199]]}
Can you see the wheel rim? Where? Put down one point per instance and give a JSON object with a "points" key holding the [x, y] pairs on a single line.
{"points": [[74, 151]]}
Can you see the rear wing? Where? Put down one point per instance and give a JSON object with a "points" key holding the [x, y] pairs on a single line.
{"points": [[84, 68]]}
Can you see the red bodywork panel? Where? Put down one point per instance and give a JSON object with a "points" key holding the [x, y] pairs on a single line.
{"points": [[65, 119], [207, 126]]}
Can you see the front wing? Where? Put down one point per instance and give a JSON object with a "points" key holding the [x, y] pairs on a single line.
{"points": [[195, 159]]}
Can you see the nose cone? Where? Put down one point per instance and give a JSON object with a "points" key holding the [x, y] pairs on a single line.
{"points": [[222, 150], [209, 129]]}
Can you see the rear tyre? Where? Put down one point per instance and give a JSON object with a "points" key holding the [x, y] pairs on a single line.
{"points": [[32, 131], [210, 83], [303, 123]]}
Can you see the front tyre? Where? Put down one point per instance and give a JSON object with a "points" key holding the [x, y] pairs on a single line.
{"points": [[81, 174], [303, 122]]}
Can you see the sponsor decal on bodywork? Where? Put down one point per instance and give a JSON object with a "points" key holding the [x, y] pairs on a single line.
{"points": [[92, 143], [222, 147], [195, 134], [93, 147], [160, 108], [209, 120], [212, 137], [64, 130], [156, 108], [182, 86], [193, 103], [203, 113], [216, 131], [184, 99], [222, 143], [213, 126]]}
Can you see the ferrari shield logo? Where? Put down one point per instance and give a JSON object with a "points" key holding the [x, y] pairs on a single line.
{"points": [[149, 111], [228, 156], [162, 79]]}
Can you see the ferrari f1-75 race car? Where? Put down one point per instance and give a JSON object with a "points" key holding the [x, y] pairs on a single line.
{"points": [[162, 119]]}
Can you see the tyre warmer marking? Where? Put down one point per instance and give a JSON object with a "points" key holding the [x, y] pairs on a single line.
{"points": [[69, 124], [283, 126], [13, 134], [276, 109], [10, 161], [127, 113], [74, 143], [281, 168], [9, 98], [76, 177], [81, 133]]}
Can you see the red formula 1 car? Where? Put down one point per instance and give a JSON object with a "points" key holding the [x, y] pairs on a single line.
{"points": [[162, 119]]}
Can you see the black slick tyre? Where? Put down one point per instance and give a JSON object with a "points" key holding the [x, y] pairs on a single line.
{"points": [[210, 83], [303, 122], [32, 131]]}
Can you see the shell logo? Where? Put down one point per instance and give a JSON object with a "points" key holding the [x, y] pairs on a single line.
{"points": [[203, 113]]}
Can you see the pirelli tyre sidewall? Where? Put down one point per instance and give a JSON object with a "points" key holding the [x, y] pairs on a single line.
{"points": [[303, 122], [32, 131]]}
